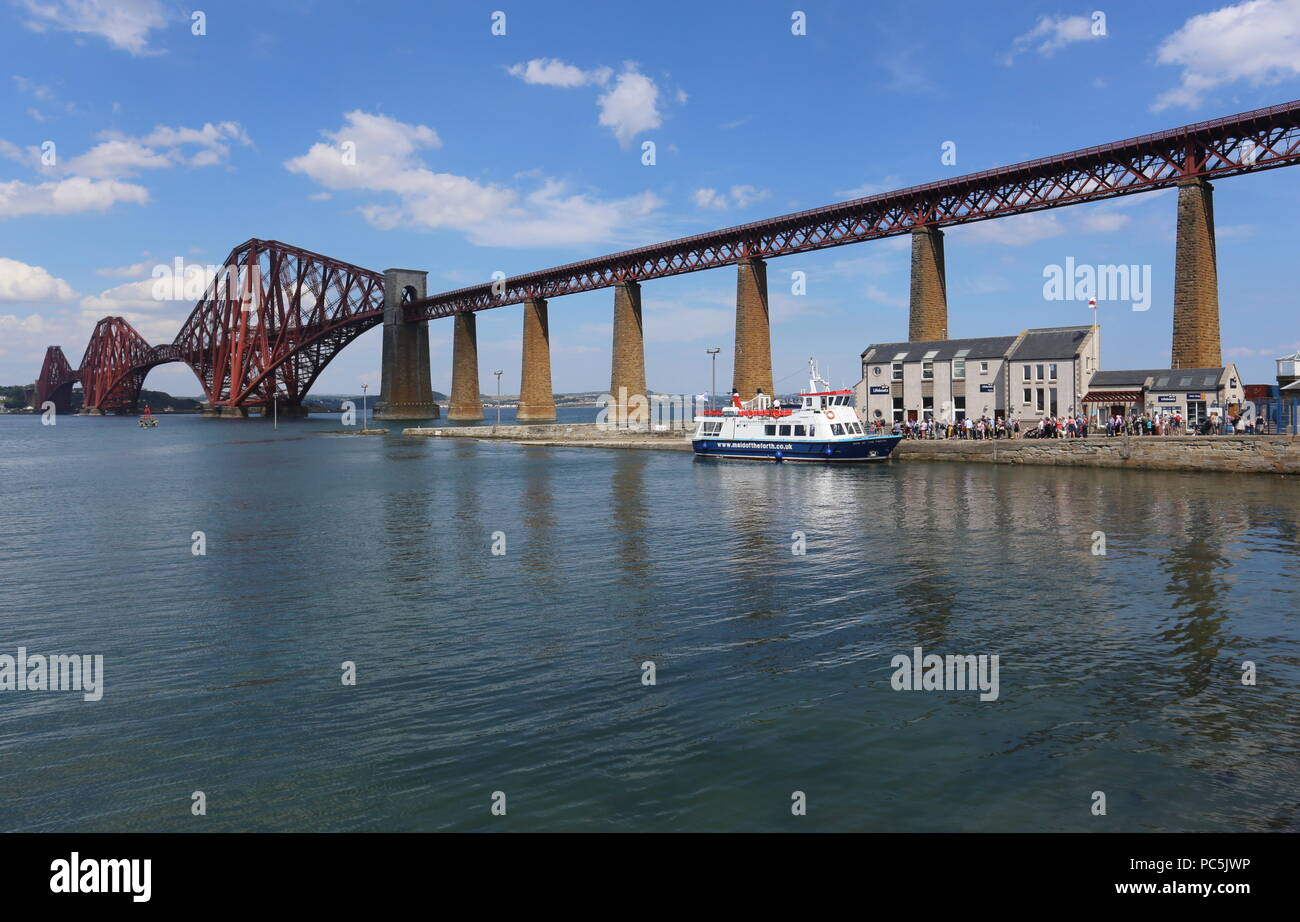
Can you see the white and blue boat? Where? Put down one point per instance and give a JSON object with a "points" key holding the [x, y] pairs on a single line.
{"points": [[823, 427]]}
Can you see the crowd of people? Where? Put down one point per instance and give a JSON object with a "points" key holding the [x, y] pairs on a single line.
{"points": [[1175, 424], [966, 428], [1066, 427]]}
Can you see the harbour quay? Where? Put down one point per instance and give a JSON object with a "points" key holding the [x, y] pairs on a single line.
{"points": [[1243, 454]]}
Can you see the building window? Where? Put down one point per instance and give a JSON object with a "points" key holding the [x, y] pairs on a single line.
{"points": [[898, 371], [1039, 370], [927, 371], [984, 368], [1051, 371], [898, 409], [1039, 401], [1055, 409], [959, 364], [959, 407], [927, 407], [1029, 394], [1029, 373]]}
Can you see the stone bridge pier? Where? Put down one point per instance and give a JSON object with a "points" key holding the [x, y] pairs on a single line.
{"points": [[406, 391], [1196, 280], [928, 308]]}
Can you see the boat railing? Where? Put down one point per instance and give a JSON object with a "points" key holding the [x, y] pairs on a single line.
{"points": [[769, 412]]}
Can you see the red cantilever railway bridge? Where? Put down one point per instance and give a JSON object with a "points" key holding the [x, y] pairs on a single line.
{"points": [[292, 310]]}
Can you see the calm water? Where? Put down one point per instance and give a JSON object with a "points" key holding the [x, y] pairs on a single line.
{"points": [[522, 673]]}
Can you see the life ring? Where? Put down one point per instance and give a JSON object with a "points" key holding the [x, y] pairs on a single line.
{"points": [[830, 414]]}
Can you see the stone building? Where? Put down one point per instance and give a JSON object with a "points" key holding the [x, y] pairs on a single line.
{"points": [[1193, 393], [1040, 372]]}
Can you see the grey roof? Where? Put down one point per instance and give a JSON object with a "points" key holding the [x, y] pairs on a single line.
{"points": [[987, 347], [1197, 378], [1130, 379], [1053, 343], [1182, 379]]}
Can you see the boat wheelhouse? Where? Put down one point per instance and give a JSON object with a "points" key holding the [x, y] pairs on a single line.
{"points": [[824, 426]]}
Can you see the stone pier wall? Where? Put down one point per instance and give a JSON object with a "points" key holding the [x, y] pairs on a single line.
{"points": [[1265, 454]]}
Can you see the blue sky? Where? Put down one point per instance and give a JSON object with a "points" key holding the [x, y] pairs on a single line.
{"points": [[479, 152]]}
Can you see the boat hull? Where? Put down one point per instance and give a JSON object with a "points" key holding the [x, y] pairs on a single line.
{"points": [[870, 448]]}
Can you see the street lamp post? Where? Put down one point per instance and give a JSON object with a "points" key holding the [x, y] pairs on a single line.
{"points": [[713, 388], [364, 421], [498, 374]]}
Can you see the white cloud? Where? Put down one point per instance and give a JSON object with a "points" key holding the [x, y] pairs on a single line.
{"points": [[12, 323], [124, 298], [554, 217], [554, 72], [888, 184], [28, 85], [143, 267], [115, 159], [21, 282], [387, 160], [628, 108], [1104, 222], [710, 198], [738, 196], [1051, 33], [1024, 229], [1017, 230], [92, 181], [125, 24], [1258, 42], [119, 156], [745, 196], [67, 196], [631, 107]]}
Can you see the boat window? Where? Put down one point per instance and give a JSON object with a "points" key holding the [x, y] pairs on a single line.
{"points": [[784, 430], [798, 430], [769, 430], [837, 429], [812, 431]]}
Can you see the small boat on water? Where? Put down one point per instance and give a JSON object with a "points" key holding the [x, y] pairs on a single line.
{"points": [[823, 427]]}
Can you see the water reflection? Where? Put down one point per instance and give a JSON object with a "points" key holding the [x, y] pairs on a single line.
{"points": [[537, 501], [629, 513]]}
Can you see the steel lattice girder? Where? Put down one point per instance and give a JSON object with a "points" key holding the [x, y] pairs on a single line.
{"points": [[56, 380], [114, 365], [1245, 143], [272, 320]]}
